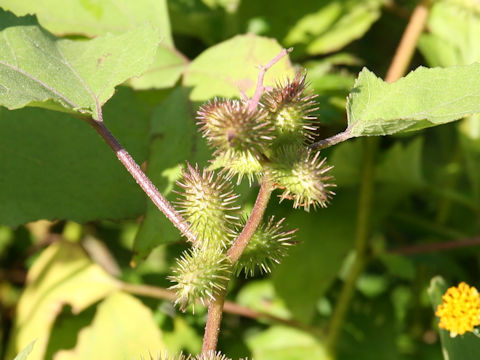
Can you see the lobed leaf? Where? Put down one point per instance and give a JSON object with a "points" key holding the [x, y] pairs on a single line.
{"points": [[424, 98], [61, 275], [123, 328], [38, 69]]}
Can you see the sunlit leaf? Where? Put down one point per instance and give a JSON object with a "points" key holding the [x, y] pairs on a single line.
{"points": [[62, 275], [23, 355], [77, 76], [92, 18], [283, 343], [123, 328], [231, 67], [334, 25], [425, 97]]}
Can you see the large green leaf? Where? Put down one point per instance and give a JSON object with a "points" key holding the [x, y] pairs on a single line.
{"points": [[461, 347], [38, 69], [231, 67], [61, 169], [62, 275], [425, 97], [92, 18], [282, 343], [311, 266], [123, 328]]}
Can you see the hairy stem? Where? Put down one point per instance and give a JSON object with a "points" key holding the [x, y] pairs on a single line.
{"points": [[333, 140], [362, 233], [254, 101], [254, 220], [142, 180], [215, 309]]}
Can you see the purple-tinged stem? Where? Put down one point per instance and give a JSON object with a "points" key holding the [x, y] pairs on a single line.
{"points": [[147, 186], [253, 102]]}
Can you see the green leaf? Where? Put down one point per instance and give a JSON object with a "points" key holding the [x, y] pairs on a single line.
{"points": [[92, 18], [260, 295], [184, 337], [312, 265], [231, 67], [23, 355], [39, 70], [167, 67], [284, 343], [61, 275], [123, 328], [175, 141], [452, 33], [61, 169], [402, 165], [424, 98], [334, 25], [461, 347]]}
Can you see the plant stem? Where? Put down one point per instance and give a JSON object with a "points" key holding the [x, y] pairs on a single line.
{"points": [[333, 140], [215, 309], [229, 307], [254, 101], [436, 246], [362, 232], [254, 220], [212, 327], [147, 186]]}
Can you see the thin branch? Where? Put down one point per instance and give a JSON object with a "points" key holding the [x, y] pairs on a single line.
{"points": [[229, 306], [254, 220], [214, 319], [215, 309], [333, 140], [253, 102], [148, 187], [437, 246], [408, 43]]}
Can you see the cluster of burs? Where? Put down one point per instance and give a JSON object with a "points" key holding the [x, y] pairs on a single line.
{"points": [[267, 142]]}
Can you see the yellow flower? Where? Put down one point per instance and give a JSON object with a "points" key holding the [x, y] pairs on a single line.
{"points": [[460, 309]]}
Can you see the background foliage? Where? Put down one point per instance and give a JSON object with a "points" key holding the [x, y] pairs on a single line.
{"points": [[76, 228]]}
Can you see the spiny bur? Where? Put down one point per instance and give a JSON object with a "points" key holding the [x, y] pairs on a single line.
{"points": [[208, 206], [240, 137], [290, 111], [302, 175], [200, 274], [267, 247]]}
